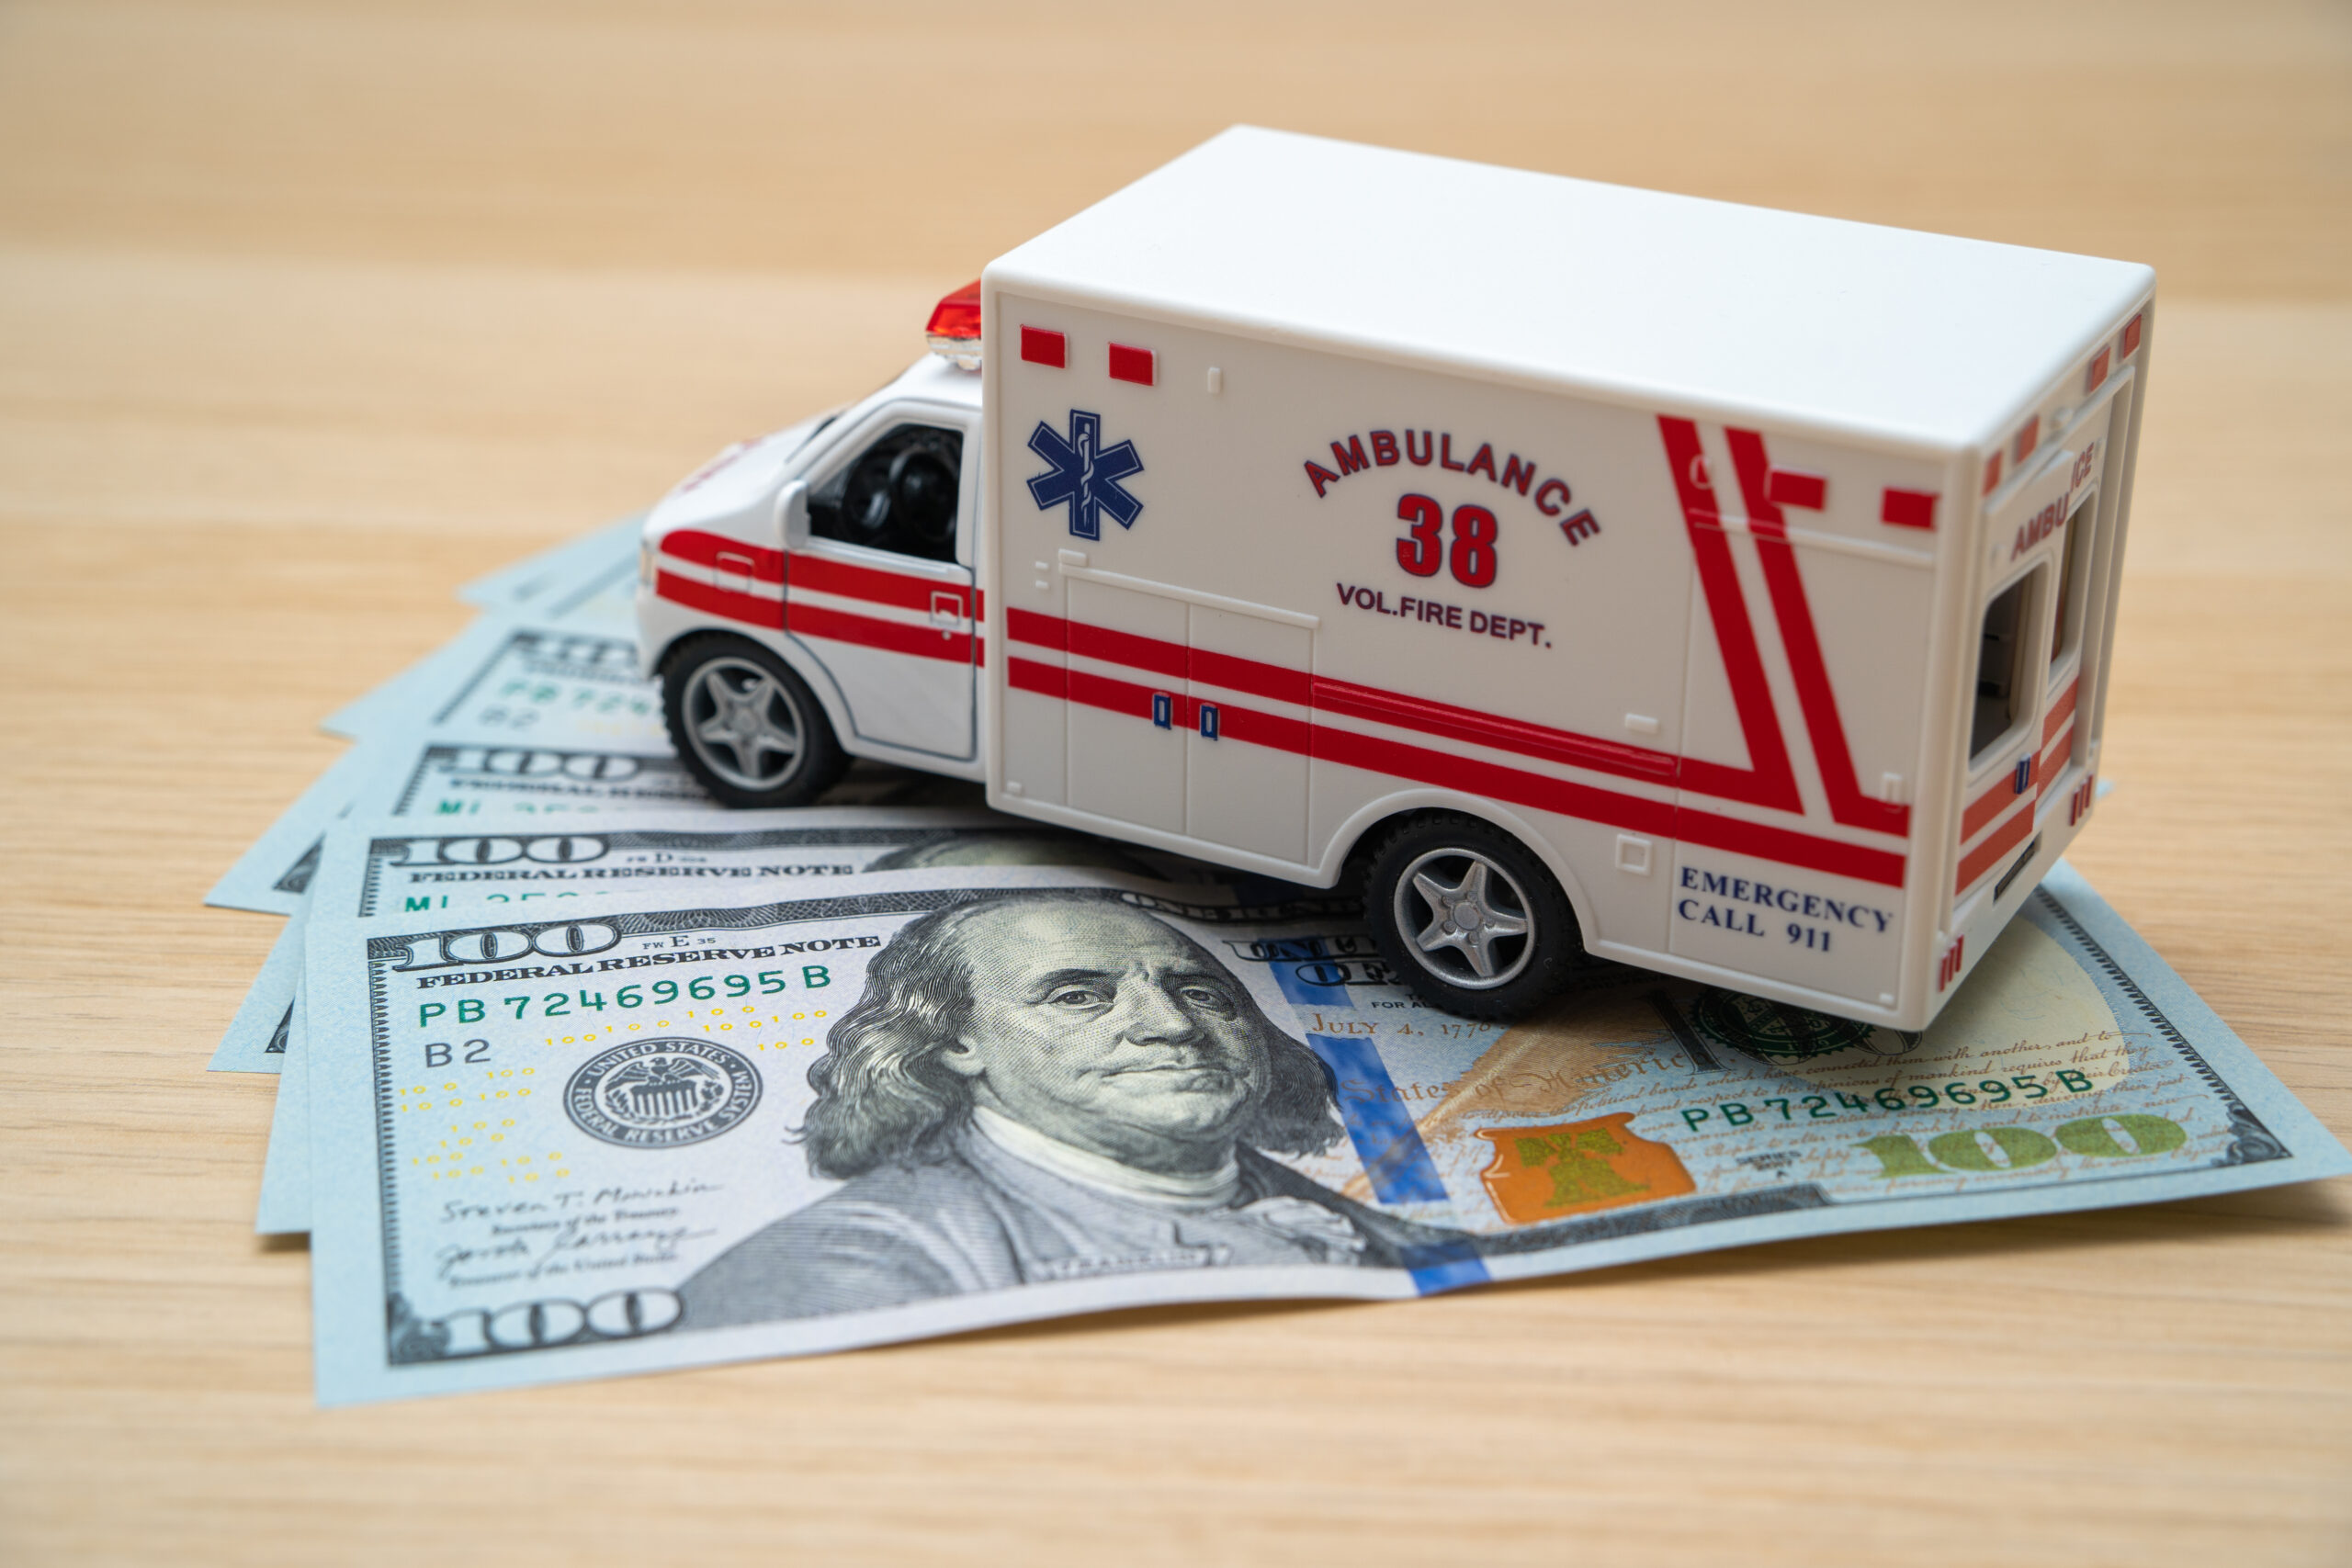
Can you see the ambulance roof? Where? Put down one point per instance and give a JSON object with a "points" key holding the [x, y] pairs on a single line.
{"points": [[1632, 295]]}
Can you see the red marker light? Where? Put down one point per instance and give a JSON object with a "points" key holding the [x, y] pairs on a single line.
{"points": [[2096, 376], [954, 326], [1131, 364], [1992, 473], [1788, 487], [2132, 336], [1039, 347], [1908, 508], [2028, 438]]}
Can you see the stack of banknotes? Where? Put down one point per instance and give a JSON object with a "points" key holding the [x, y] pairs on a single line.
{"points": [[580, 1073]]}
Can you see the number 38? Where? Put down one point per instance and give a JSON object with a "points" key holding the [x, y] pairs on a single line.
{"points": [[1422, 550]]}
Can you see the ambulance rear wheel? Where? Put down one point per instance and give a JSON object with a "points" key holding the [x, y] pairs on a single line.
{"points": [[746, 726], [1469, 918]]}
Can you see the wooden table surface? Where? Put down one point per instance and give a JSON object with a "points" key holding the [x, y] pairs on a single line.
{"points": [[307, 313]]}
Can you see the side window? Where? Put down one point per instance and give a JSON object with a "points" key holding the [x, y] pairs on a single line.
{"points": [[898, 495]]}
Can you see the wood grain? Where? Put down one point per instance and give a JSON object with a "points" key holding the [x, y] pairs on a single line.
{"points": [[307, 313]]}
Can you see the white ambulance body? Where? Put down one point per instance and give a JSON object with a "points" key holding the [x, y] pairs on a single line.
{"points": [[1752, 574]]}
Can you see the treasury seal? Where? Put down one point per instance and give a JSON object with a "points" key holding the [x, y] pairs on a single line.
{"points": [[662, 1094], [1772, 1031]]}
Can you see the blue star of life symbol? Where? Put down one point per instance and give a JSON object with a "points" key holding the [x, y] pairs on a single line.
{"points": [[1084, 476]]}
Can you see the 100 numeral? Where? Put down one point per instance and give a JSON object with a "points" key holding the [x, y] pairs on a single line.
{"points": [[2125, 1136]]}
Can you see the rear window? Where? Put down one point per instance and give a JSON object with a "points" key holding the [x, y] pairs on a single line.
{"points": [[2073, 581], [2003, 697]]}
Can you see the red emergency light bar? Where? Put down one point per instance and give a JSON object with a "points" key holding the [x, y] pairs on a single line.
{"points": [[955, 327]]}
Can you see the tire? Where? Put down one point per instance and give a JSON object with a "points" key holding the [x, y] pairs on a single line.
{"points": [[746, 726], [1502, 976]]}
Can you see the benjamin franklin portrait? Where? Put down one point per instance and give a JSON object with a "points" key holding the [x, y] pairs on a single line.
{"points": [[1050, 1085]]}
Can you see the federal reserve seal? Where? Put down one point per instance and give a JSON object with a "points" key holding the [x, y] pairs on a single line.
{"points": [[1772, 1031], [662, 1094]]}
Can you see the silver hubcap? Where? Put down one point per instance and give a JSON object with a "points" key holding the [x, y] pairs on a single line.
{"points": [[1466, 919], [743, 723]]}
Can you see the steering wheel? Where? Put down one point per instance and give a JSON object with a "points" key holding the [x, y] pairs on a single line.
{"points": [[865, 503], [922, 496]]}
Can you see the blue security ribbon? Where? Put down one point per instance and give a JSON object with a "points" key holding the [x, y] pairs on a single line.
{"points": [[1379, 1124]]}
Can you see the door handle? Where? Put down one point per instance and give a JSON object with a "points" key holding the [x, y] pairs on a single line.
{"points": [[1163, 710], [946, 608], [1208, 721]]}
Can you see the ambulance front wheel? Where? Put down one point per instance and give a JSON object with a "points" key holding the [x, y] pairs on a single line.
{"points": [[746, 726], [1469, 918]]}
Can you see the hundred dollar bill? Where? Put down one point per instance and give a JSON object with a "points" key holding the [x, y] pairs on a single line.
{"points": [[390, 703], [534, 683], [397, 864], [603, 599], [447, 782], [255, 1041], [586, 585], [524, 713], [284, 1206], [658, 1134], [387, 867], [525, 586], [271, 875], [438, 779]]}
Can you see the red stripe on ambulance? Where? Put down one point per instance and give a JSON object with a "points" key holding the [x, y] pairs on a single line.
{"points": [[2060, 710], [1769, 780], [1396, 758], [1487, 729], [1987, 855], [830, 625], [1847, 804], [2004, 797], [822, 574], [846, 580], [1325, 694], [716, 550], [748, 608]]}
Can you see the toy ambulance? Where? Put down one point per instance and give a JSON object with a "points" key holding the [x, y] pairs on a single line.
{"points": [[1715, 590]]}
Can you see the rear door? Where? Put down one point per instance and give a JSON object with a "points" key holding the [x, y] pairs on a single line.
{"points": [[2033, 659]]}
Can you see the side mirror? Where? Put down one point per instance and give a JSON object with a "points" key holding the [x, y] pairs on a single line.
{"points": [[792, 514]]}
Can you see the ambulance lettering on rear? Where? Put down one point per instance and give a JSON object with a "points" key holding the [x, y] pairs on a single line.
{"points": [[2046, 522]]}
